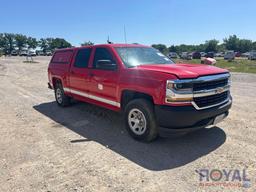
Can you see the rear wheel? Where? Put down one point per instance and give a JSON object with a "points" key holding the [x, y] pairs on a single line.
{"points": [[140, 120], [61, 99]]}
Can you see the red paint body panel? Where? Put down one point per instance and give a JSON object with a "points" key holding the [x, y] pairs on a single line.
{"points": [[78, 78], [185, 71], [108, 79], [148, 79]]}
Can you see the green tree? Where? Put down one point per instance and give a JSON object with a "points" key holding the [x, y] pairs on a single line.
{"points": [[32, 43], [2, 43], [221, 47], [182, 48], [200, 48], [254, 46], [245, 45], [43, 44], [9, 43], [49, 42], [59, 43], [54, 43], [87, 43], [162, 48], [232, 43], [185, 48], [211, 45], [173, 48], [21, 41]]}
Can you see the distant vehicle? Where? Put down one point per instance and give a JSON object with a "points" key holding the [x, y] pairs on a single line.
{"points": [[24, 53], [210, 54], [252, 55], [31, 53], [14, 53], [186, 55], [237, 54], [39, 52], [203, 54], [220, 54], [173, 55], [196, 55], [247, 54], [208, 61], [48, 53], [229, 55]]}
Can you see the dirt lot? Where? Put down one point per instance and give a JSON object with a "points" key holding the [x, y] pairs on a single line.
{"points": [[86, 148]]}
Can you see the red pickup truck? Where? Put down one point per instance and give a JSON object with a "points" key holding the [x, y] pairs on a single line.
{"points": [[156, 96]]}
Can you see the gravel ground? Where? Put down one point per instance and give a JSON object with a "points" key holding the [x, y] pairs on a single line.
{"points": [[86, 148]]}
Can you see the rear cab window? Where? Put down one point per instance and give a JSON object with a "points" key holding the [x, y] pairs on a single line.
{"points": [[62, 57]]}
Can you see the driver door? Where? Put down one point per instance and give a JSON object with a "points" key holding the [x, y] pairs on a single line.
{"points": [[103, 80]]}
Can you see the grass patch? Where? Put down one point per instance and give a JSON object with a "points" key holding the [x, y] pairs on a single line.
{"points": [[238, 65]]}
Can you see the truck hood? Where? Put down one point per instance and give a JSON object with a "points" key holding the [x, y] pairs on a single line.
{"points": [[183, 70]]}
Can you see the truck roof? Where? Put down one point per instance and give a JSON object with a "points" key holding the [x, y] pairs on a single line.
{"points": [[122, 45], [108, 45]]}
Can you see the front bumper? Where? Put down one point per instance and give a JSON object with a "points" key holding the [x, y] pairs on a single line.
{"points": [[186, 118]]}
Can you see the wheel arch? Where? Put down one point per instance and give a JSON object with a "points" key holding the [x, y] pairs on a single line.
{"points": [[56, 80], [129, 95]]}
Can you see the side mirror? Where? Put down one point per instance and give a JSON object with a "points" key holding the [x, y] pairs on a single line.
{"points": [[106, 65]]}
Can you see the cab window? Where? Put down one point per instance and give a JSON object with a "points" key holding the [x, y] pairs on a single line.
{"points": [[82, 58], [104, 60]]}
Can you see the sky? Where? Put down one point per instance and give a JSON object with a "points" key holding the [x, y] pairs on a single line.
{"points": [[169, 22]]}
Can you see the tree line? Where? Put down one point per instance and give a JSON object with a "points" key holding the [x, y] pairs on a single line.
{"points": [[11, 41], [231, 43]]}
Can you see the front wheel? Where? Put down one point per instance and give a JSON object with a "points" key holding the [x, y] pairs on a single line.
{"points": [[140, 120]]}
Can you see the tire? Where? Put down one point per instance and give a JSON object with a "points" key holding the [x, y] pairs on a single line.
{"points": [[140, 120], [61, 99]]}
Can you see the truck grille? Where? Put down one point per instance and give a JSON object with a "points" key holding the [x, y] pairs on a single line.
{"points": [[210, 85], [211, 100]]}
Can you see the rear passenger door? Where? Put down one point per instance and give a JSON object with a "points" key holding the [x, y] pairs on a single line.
{"points": [[79, 79]]}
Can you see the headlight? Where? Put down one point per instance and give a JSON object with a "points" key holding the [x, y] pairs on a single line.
{"points": [[181, 87], [178, 92]]}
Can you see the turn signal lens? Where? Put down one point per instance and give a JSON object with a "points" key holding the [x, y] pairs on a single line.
{"points": [[185, 99]]}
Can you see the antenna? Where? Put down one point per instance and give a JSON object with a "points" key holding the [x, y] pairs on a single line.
{"points": [[125, 35], [109, 42]]}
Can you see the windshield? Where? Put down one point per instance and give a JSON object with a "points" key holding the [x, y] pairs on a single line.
{"points": [[134, 56]]}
